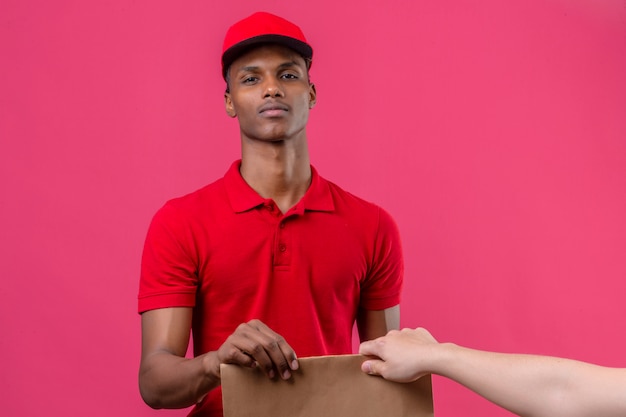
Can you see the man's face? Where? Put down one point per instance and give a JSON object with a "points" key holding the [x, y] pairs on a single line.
{"points": [[270, 93]]}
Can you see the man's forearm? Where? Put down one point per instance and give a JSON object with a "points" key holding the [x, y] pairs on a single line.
{"points": [[376, 323], [169, 381]]}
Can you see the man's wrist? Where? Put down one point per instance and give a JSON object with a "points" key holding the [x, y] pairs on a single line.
{"points": [[211, 367]]}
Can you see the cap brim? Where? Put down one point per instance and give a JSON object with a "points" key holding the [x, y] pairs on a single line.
{"points": [[232, 53]]}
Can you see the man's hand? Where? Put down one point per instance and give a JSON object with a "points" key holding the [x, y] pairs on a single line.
{"points": [[255, 344], [167, 379]]}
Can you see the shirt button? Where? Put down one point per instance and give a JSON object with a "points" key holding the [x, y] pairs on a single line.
{"points": [[282, 247], [282, 225]]}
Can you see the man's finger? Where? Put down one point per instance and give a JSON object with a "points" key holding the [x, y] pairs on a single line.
{"points": [[281, 353]]}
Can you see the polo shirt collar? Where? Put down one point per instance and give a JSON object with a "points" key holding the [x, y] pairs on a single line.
{"points": [[243, 198]]}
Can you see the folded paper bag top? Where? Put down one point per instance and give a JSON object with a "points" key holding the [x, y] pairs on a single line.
{"points": [[324, 386]]}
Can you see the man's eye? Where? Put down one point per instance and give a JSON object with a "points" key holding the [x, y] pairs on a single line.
{"points": [[249, 80], [289, 76]]}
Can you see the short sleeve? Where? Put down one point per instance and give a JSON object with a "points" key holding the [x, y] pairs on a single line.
{"points": [[168, 267], [383, 285]]}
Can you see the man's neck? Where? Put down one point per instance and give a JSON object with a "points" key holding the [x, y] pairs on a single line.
{"points": [[277, 171]]}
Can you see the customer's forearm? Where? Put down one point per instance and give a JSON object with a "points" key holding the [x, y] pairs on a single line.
{"points": [[531, 385]]}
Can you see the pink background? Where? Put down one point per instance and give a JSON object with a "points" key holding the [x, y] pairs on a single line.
{"points": [[494, 132]]}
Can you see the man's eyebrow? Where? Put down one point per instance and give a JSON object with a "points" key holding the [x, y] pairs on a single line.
{"points": [[288, 64], [256, 68], [249, 68]]}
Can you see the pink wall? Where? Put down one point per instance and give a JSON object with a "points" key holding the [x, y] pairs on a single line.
{"points": [[494, 132]]}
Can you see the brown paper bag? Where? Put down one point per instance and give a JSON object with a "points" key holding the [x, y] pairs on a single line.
{"points": [[324, 386]]}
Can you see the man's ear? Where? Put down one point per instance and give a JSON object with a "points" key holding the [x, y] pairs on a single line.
{"points": [[312, 96], [228, 104]]}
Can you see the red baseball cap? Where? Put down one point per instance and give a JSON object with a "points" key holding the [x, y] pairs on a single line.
{"points": [[259, 28]]}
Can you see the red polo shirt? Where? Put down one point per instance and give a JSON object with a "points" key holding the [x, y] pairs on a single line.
{"points": [[233, 256]]}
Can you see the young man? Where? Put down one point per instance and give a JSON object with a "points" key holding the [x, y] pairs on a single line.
{"points": [[270, 260], [527, 385]]}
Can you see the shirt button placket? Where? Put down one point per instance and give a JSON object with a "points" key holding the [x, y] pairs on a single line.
{"points": [[282, 253]]}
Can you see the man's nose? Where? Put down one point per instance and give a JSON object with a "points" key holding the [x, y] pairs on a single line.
{"points": [[272, 88]]}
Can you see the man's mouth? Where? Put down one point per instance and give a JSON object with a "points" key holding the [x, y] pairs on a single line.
{"points": [[273, 110]]}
